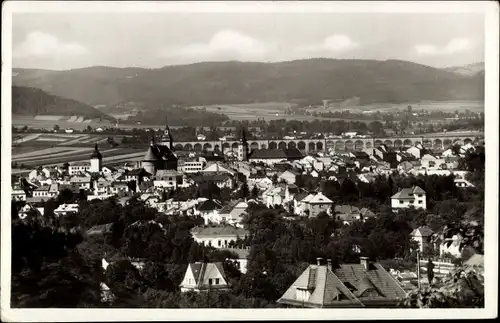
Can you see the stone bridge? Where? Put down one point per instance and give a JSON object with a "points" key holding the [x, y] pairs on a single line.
{"points": [[345, 144]]}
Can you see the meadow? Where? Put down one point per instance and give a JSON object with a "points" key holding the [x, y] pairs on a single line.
{"points": [[33, 150]]}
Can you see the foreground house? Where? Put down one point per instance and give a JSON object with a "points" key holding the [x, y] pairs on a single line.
{"points": [[202, 277], [365, 284]]}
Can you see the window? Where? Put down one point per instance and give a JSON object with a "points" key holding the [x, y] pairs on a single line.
{"points": [[217, 281], [210, 281], [401, 201], [412, 201], [419, 202], [419, 195], [219, 243]]}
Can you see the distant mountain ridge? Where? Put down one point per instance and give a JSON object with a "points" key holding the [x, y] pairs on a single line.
{"points": [[309, 80], [468, 70], [33, 102]]}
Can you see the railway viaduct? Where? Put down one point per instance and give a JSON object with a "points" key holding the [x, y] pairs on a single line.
{"points": [[356, 144]]}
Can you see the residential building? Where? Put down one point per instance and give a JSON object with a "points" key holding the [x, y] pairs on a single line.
{"points": [[408, 197], [218, 236], [274, 156], [18, 193], [422, 235], [78, 168], [242, 258], [204, 277], [313, 204], [191, 166], [65, 209], [461, 182], [167, 179], [365, 284], [209, 210], [83, 182], [430, 161]]}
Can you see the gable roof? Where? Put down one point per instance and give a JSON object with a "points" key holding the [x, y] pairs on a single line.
{"points": [[423, 231], [408, 193], [320, 199], [221, 230], [326, 289], [203, 271], [376, 278], [209, 205]]}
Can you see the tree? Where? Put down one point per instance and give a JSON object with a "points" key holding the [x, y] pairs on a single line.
{"points": [[244, 191], [89, 129], [56, 127], [462, 288], [47, 270], [255, 192]]}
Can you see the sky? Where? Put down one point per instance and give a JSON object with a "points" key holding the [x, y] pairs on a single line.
{"points": [[73, 40]]}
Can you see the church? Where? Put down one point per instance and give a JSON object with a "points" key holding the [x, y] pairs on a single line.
{"points": [[160, 156]]}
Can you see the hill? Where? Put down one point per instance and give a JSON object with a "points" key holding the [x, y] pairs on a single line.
{"points": [[467, 70], [32, 102], [310, 80]]}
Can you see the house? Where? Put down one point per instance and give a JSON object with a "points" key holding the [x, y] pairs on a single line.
{"points": [[190, 166], [422, 235], [44, 191], [216, 168], [65, 209], [348, 213], [430, 161], [203, 277], [222, 180], [83, 182], [451, 246], [288, 176], [317, 204], [242, 258], [233, 213], [117, 187], [218, 236], [408, 197], [365, 284], [461, 182], [209, 210], [416, 151], [311, 204], [18, 193], [273, 156], [78, 168], [167, 179], [107, 170]]}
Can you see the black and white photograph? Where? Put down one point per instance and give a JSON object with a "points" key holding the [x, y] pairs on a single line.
{"points": [[249, 160]]}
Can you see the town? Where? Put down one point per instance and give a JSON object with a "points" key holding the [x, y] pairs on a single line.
{"points": [[346, 221]]}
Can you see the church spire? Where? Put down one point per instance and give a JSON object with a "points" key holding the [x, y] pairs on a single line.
{"points": [[169, 134]]}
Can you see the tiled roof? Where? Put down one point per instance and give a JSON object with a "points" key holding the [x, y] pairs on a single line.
{"points": [[325, 288], [138, 172], [408, 193], [203, 271], [209, 205], [292, 153], [209, 231], [424, 231], [346, 209], [376, 278], [158, 152], [320, 199], [242, 253]]}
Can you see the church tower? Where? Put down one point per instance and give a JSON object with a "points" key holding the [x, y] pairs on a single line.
{"points": [[150, 160], [167, 136], [243, 147], [96, 161]]}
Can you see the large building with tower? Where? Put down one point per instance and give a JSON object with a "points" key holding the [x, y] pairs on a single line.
{"points": [[160, 155]]}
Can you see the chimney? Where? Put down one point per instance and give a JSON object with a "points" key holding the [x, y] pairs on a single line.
{"points": [[329, 264], [319, 260], [365, 262]]}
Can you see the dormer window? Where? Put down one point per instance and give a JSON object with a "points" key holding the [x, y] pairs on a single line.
{"points": [[302, 294]]}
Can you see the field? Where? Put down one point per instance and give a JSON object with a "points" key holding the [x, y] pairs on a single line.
{"points": [[34, 150]]}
